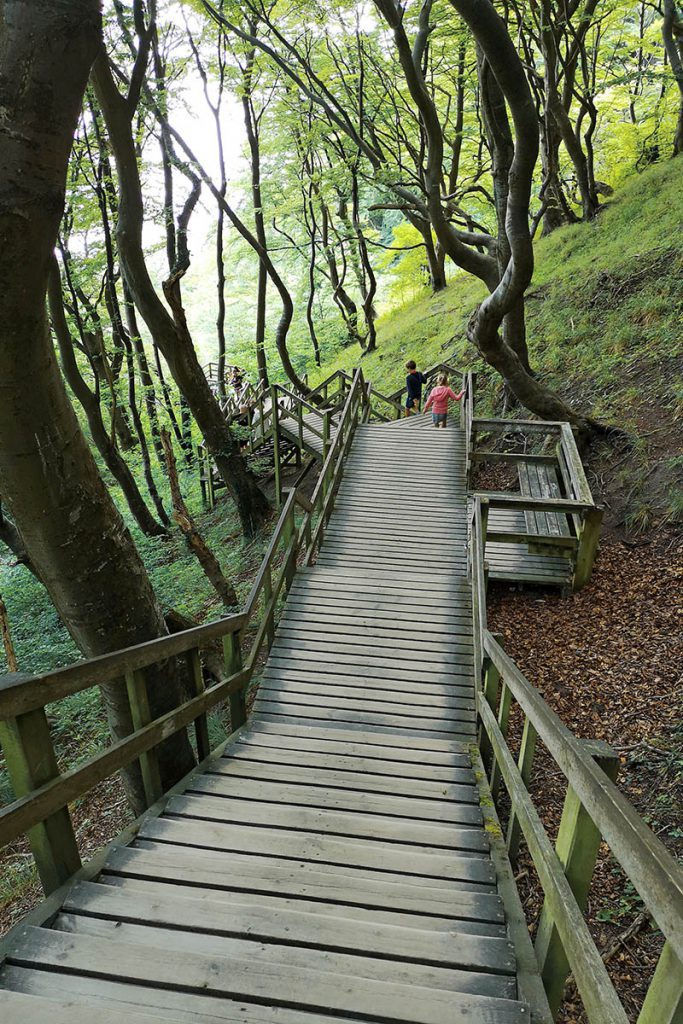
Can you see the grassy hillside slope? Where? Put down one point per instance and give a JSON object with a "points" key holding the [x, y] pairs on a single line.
{"points": [[605, 320]]}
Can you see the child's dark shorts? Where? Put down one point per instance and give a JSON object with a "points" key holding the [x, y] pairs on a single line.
{"points": [[439, 417]]}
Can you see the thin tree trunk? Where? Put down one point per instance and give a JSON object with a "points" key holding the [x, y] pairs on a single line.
{"points": [[146, 379], [10, 653], [170, 332], [195, 542], [107, 449], [12, 539]]}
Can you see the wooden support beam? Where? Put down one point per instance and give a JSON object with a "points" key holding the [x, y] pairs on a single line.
{"points": [[588, 547], [31, 763], [141, 716], [503, 722], [525, 762], [277, 469], [578, 842], [664, 1000], [232, 654], [491, 688], [198, 686]]}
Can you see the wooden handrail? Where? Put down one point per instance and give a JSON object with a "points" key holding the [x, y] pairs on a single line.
{"points": [[20, 694], [659, 878], [23, 814], [594, 809]]}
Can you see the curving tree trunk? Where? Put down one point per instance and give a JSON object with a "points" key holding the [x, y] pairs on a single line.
{"points": [[170, 332], [672, 34], [72, 530], [113, 459]]}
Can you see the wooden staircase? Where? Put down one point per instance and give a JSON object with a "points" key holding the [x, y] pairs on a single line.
{"points": [[332, 864]]}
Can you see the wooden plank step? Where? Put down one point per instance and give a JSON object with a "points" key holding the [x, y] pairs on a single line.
{"points": [[401, 689], [108, 996], [322, 695], [331, 777], [364, 719], [366, 942], [437, 810], [323, 620], [317, 848], [387, 970], [273, 902], [337, 817], [275, 984], [356, 893], [361, 667], [410, 757], [347, 630], [372, 646], [18, 1008], [396, 743], [353, 760], [422, 713], [341, 822]]}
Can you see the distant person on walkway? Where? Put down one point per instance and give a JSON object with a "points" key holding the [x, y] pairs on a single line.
{"points": [[237, 380], [438, 401], [414, 382]]}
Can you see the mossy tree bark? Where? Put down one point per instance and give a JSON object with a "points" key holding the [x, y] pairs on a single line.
{"points": [[72, 530]]}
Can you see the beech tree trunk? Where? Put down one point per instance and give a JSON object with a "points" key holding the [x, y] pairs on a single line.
{"points": [[672, 34], [75, 536]]}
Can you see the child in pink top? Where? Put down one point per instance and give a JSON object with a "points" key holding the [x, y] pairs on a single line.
{"points": [[439, 399]]}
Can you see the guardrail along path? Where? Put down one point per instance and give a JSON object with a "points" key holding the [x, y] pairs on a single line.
{"points": [[332, 865]]}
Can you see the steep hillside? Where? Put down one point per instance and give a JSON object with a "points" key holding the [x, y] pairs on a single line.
{"points": [[605, 314]]}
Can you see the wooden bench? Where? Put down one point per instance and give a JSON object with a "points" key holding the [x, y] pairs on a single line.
{"points": [[551, 528]]}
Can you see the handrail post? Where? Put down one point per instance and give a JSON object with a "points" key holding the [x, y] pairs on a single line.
{"points": [[588, 546], [31, 762], [491, 686], [268, 611], [277, 469], [289, 533], [664, 1000], [141, 716], [326, 433], [201, 725], [232, 659], [578, 842], [527, 749]]}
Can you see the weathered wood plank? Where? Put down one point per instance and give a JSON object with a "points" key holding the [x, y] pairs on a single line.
{"points": [[313, 932], [18, 1008], [330, 775], [323, 849], [244, 898], [241, 877], [240, 978]]}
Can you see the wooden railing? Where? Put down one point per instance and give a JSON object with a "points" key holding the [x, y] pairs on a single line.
{"points": [[555, 458], [594, 810], [43, 792]]}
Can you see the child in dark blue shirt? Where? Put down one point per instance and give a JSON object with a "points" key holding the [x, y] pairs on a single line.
{"points": [[414, 382]]}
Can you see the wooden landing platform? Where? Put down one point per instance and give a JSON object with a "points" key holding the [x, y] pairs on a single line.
{"points": [[310, 433], [332, 865], [515, 563]]}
